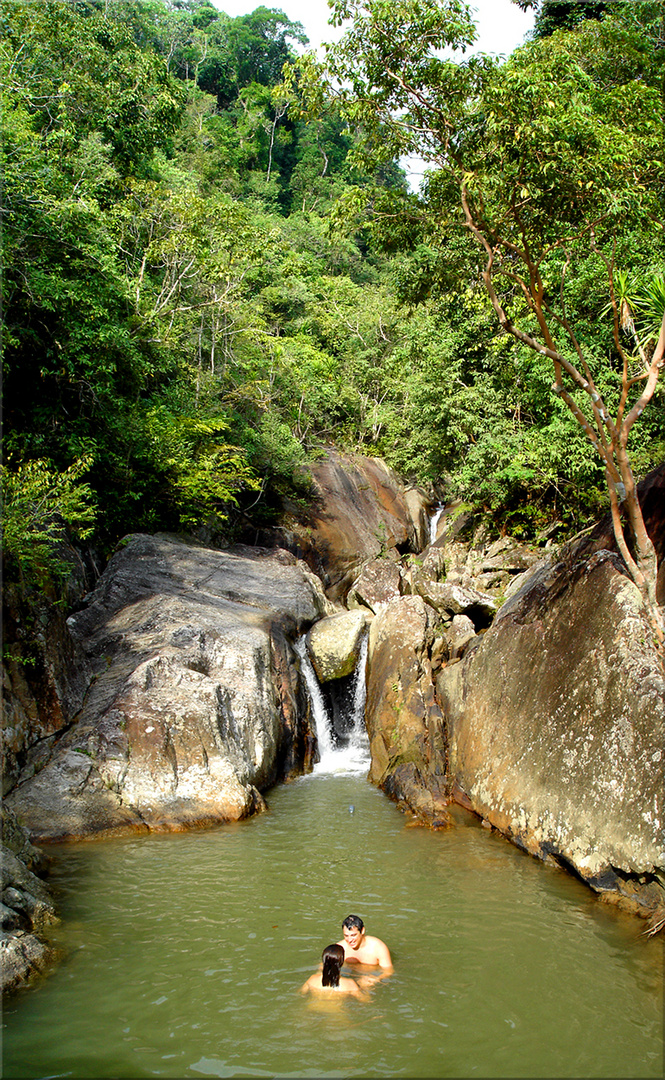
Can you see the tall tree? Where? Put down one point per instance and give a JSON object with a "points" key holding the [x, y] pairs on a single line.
{"points": [[545, 163]]}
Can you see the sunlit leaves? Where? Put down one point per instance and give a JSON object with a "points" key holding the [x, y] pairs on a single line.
{"points": [[38, 501], [204, 473]]}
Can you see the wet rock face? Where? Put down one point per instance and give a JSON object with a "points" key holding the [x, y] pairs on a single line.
{"points": [[196, 701], [26, 908], [402, 716], [364, 511], [556, 728]]}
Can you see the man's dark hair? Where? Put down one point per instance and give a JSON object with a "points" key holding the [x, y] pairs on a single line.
{"points": [[353, 920]]}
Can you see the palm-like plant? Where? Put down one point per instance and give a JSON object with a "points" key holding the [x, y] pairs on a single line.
{"points": [[639, 303]]}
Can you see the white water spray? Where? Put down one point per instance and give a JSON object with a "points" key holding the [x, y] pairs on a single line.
{"points": [[322, 723], [354, 756], [434, 523], [358, 742]]}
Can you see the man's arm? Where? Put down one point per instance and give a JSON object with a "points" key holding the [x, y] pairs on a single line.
{"points": [[359, 990], [383, 961], [383, 958]]}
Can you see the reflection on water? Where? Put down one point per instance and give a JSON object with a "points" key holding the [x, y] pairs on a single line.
{"points": [[184, 955]]}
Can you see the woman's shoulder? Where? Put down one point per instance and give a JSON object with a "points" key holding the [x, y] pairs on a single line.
{"points": [[313, 983]]}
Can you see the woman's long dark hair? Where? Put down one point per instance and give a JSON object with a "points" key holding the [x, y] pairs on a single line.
{"points": [[333, 958]]}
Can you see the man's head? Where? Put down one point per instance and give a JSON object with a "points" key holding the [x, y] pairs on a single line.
{"points": [[353, 928]]}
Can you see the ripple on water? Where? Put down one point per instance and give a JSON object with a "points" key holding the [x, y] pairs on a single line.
{"points": [[185, 954]]}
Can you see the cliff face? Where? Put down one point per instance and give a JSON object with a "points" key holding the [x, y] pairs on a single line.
{"points": [[361, 511], [195, 705], [555, 727]]}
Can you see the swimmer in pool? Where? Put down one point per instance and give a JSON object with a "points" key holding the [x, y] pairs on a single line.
{"points": [[328, 980], [360, 948]]}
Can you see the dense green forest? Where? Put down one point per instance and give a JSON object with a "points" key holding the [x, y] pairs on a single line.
{"points": [[212, 271]]}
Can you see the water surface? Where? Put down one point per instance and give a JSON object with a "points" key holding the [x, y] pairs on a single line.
{"points": [[184, 955]]}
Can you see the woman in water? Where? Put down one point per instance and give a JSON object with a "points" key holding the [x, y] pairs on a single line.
{"points": [[328, 980]]}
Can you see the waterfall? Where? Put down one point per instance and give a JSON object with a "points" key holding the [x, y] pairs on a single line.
{"points": [[434, 523], [358, 741], [322, 724], [351, 755]]}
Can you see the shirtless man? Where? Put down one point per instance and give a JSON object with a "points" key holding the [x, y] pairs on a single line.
{"points": [[360, 948]]}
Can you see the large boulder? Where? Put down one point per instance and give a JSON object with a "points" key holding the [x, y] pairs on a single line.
{"points": [[403, 719], [556, 726], [334, 644], [196, 704], [379, 582], [361, 511], [419, 508]]}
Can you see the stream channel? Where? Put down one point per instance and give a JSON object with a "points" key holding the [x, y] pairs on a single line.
{"points": [[183, 954]]}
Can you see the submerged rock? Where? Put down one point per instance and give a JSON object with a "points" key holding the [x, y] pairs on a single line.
{"points": [[193, 710]]}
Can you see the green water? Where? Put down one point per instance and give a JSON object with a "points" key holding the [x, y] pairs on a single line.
{"points": [[184, 955]]}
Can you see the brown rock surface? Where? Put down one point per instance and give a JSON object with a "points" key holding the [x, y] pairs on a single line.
{"points": [[363, 512], [556, 728], [403, 719], [193, 709]]}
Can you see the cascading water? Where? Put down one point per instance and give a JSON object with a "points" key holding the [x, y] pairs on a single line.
{"points": [[349, 755], [358, 740], [434, 523], [324, 734]]}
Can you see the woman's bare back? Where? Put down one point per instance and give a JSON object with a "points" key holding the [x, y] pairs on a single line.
{"points": [[346, 986]]}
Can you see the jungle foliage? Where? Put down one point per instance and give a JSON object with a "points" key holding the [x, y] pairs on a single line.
{"points": [[204, 283]]}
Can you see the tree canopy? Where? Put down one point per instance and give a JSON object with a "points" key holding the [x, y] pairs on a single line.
{"points": [[549, 162], [211, 272]]}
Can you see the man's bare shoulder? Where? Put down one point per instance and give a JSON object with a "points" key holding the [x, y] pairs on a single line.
{"points": [[379, 952], [375, 942]]}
